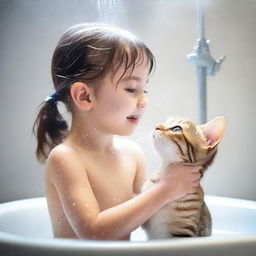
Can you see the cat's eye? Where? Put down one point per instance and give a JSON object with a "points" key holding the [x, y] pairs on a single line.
{"points": [[176, 128]]}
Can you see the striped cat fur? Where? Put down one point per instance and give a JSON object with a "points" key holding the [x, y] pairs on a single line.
{"points": [[181, 141]]}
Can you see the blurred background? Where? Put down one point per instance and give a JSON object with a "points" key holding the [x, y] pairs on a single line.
{"points": [[30, 29]]}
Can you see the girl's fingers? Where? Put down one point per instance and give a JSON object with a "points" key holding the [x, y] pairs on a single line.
{"points": [[197, 176], [195, 184], [196, 169], [193, 190]]}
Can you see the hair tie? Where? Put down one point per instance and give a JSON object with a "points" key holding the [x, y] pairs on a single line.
{"points": [[52, 98], [56, 95]]}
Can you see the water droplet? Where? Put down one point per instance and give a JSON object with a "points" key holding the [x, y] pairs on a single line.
{"points": [[85, 225], [74, 204]]}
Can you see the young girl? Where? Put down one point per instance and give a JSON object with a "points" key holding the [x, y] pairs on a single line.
{"points": [[93, 180]]}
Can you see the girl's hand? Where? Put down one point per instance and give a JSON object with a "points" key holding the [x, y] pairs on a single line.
{"points": [[179, 180]]}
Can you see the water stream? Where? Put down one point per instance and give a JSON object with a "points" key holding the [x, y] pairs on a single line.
{"points": [[108, 9]]}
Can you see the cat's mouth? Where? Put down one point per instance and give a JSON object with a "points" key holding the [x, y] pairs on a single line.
{"points": [[156, 134]]}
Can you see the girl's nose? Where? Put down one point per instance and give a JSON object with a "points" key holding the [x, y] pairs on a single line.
{"points": [[142, 102]]}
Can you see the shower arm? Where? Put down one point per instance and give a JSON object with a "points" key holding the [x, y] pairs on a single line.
{"points": [[205, 64]]}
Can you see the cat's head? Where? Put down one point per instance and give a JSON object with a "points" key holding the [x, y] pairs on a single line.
{"points": [[181, 141]]}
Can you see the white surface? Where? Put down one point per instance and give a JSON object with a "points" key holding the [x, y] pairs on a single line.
{"points": [[25, 226]]}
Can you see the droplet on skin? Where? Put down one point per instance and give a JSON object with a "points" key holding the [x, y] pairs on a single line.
{"points": [[73, 204], [85, 225]]}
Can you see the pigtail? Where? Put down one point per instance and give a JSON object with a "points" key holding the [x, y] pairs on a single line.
{"points": [[49, 128], [85, 53]]}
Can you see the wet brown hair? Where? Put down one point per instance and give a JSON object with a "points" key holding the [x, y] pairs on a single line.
{"points": [[85, 53]]}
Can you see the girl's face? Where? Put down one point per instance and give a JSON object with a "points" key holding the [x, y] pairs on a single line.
{"points": [[119, 107]]}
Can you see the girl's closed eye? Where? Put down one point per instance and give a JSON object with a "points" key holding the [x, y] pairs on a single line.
{"points": [[130, 90]]}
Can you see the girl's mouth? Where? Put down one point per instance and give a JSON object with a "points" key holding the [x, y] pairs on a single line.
{"points": [[133, 118]]}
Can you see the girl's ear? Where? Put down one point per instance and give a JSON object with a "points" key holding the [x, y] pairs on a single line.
{"points": [[81, 95]]}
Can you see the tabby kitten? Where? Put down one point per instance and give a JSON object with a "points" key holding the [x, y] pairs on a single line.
{"points": [[181, 141]]}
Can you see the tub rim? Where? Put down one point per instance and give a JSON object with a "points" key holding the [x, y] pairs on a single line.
{"points": [[74, 244]]}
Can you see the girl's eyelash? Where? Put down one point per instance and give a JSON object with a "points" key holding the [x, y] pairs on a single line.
{"points": [[134, 90], [131, 90]]}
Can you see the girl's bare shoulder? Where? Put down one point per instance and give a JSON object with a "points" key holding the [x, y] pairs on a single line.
{"points": [[63, 159], [61, 152]]}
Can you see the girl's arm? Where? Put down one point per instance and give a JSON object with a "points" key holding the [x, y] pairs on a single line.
{"points": [[67, 174]]}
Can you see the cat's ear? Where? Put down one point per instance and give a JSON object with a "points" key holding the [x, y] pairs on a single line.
{"points": [[213, 131]]}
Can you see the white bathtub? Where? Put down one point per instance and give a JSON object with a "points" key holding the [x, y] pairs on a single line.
{"points": [[25, 230]]}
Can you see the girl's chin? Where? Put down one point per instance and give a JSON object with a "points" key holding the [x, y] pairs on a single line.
{"points": [[126, 131]]}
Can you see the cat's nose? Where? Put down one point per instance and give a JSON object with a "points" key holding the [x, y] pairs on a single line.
{"points": [[159, 127]]}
